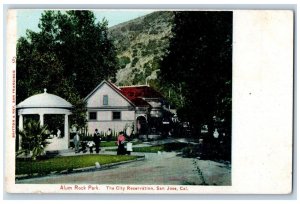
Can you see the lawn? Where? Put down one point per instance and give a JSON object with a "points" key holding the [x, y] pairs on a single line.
{"points": [[165, 147], [113, 144], [154, 149], [45, 166], [108, 144]]}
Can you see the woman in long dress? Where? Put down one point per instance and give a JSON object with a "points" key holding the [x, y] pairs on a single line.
{"points": [[121, 144]]}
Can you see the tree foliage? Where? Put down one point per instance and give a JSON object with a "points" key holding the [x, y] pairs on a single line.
{"points": [[69, 56], [198, 66]]}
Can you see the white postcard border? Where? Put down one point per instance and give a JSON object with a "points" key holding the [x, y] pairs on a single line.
{"points": [[262, 141]]}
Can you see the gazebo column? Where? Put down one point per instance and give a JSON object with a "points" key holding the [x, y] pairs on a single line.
{"points": [[41, 119], [66, 134], [20, 128], [21, 122]]}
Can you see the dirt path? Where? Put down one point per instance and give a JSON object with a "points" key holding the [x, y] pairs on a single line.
{"points": [[161, 169]]}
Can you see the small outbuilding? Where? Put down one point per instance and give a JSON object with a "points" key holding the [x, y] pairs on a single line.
{"points": [[44, 104]]}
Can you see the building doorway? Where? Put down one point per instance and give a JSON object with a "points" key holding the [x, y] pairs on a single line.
{"points": [[142, 125]]}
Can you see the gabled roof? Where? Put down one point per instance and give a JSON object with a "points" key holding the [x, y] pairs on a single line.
{"points": [[135, 95], [132, 92], [115, 88]]}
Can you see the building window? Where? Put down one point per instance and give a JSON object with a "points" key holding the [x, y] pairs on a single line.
{"points": [[93, 115], [105, 100], [116, 115]]}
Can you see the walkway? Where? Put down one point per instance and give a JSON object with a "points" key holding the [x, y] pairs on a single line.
{"points": [[157, 168], [162, 168]]}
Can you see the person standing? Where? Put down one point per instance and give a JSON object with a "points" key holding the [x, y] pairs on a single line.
{"points": [[128, 131], [215, 144], [121, 144], [97, 140], [58, 134], [76, 141], [109, 134]]}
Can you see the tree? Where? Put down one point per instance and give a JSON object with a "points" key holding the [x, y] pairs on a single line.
{"points": [[199, 64], [70, 55]]}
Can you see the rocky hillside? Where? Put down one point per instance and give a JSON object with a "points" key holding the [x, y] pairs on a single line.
{"points": [[140, 44]]}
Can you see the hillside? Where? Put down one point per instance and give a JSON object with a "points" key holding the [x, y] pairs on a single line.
{"points": [[140, 44]]}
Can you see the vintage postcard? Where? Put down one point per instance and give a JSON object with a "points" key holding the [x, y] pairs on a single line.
{"points": [[149, 101]]}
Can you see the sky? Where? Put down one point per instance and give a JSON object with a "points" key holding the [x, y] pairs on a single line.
{"points": [[29, 19]]}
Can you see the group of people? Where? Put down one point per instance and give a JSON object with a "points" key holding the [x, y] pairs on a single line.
{"points": [[97, 142]]}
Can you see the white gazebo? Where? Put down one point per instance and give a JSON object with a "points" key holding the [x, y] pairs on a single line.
{"points": [[43, 104]]}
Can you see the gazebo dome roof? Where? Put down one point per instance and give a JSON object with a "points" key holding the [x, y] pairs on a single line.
{"points": [[44, 100]]}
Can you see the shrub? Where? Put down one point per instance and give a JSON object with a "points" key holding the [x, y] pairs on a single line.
{"points": [[144, 53], [123, 61], [153, 32], [34, 139], [134, 61], [134, 52]]}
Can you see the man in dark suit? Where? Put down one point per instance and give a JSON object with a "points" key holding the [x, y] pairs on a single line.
{"points": [[97, 140]]}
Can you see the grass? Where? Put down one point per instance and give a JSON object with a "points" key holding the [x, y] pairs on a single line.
{"points": [[108, 144], [154, 149], [25, 166], [113, 144], [166, 147]]}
